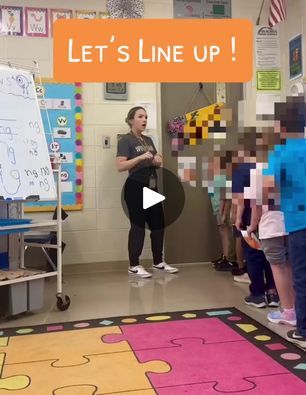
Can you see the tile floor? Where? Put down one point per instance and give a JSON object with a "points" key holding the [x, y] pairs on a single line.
{"points": [[110, 294]]}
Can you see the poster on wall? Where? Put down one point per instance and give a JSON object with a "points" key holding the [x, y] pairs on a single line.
{"points": [[83, 14], [56, 14], [188, 9], [217, 9], [104, 15], [267, 48], [36, 22], [61, 110], [295, 57], [115, 91], [11, 21], [268, 80]]}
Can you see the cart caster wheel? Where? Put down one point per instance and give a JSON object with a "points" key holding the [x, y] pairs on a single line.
{"points": [[63, 302]]}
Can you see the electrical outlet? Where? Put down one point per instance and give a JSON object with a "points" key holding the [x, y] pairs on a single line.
{"points": [[106, 142]]}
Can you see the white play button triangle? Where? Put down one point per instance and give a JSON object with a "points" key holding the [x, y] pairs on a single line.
{"points": [[150, 198]]}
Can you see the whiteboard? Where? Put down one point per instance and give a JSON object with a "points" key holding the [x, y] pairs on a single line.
{"points": [[25, 168]]}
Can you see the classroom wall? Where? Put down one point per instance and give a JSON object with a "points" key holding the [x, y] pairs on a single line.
{"points": [[294, 25], [99, 232]]}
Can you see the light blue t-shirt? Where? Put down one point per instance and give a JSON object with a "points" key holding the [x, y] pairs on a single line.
{"points": [[219, 183], [287, 163]]}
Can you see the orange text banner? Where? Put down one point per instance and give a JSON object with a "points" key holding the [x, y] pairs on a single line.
{"points": [[153, 50]]}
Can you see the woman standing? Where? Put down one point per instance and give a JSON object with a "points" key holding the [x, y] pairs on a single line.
{"points": [[137, 154]]}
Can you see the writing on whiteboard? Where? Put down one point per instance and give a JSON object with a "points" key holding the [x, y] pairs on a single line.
{"points": [[25, 167]]}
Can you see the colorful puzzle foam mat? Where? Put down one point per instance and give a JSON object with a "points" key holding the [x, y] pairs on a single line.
{"points": [[216, 351]]}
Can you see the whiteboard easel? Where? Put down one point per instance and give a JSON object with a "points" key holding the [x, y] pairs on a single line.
{"points": [[25, 169]]}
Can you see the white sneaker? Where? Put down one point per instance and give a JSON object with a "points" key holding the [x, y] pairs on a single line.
{"points": [[243, 278], [164, 267], [139, 271]]}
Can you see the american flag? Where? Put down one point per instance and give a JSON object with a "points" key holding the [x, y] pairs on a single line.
{"points": [[277, 12]]}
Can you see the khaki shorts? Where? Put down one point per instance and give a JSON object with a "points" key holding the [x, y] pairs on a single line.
{"points": [[275, 249], [219, 220]]}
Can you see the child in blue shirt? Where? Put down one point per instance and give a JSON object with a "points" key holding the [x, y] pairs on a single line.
{"points": [[287, 170]]}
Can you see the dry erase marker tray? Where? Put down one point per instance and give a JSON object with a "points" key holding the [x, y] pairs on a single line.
{"points": [[14, 221], [11, 222]]}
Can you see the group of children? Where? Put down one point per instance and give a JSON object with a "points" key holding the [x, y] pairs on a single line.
{"points": [[261, 187]]}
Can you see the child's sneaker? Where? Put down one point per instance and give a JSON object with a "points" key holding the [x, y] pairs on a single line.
{"points": [[256, 301], [272, 300], [139, 271], [223, 266], [234, 264], [294, 337], [164, 267], [282, 317], [243, 278], [217, 260], [238, 271]]}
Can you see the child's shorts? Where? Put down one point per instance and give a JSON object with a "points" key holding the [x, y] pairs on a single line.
{"points": [[219, 220], [236, 232], [275, 249]]}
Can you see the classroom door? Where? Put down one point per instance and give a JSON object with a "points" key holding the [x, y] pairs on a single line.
{"points": [[194, 236]]}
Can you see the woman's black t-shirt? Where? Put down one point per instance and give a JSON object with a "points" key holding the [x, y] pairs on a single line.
{"points": [[130, 146]]}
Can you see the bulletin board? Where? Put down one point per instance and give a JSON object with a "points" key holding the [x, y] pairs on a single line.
{"points": [[61, 111]]}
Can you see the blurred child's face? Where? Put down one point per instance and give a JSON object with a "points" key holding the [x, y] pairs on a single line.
{"points": [[290, 135], [284, 134]]}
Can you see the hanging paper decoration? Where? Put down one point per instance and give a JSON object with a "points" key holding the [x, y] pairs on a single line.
{"points": [[127, 9], [176, 125], [207, 122], [211, 122]]}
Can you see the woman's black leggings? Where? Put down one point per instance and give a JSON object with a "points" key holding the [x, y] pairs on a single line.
{"points": [[153, 216]]}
